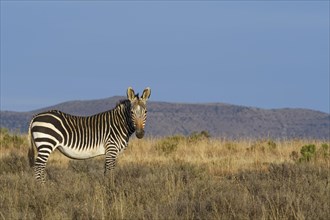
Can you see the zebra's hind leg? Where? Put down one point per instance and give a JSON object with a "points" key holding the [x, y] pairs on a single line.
{"points": [[40, 164], [39, 170]]}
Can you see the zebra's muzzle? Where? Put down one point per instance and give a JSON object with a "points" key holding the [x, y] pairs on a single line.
{"points": [[139, 133]]}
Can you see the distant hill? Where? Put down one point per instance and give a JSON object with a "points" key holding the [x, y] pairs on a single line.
{"points": [[220, 120]]}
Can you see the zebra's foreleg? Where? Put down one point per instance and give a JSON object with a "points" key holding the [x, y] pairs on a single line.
{"points": [[110, 161]]}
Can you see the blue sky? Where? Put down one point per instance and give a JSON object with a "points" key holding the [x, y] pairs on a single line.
{"points": [[262, 54]]}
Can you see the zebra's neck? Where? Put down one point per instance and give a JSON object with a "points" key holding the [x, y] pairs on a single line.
{"points": [[123, 112]]}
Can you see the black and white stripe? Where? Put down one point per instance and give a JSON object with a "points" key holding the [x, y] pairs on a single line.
{"points": [[86, 137]]}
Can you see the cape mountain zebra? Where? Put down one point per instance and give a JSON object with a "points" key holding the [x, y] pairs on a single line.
{"points": [[86, 137]]}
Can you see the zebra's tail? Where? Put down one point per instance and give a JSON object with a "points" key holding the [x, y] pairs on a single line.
{"points": [[32, 146]]}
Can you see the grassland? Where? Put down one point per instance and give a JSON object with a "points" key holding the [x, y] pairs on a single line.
{"points": [[176, 177]]}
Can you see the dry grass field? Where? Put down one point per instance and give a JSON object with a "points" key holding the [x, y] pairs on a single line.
{"points": [[177, 177]]}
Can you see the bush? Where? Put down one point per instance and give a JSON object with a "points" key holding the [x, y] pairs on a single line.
{"points": [[263, 146], [169, 145], [195, 136], [308, 152]]}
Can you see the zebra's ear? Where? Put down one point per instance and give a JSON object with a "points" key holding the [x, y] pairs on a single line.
{"points": [[146, 94], [130, 94]]}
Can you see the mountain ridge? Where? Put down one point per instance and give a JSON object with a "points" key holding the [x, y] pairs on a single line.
{"points": [[219, 119]]}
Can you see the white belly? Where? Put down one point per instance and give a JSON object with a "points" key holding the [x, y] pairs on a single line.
{"points": [[82, 154]]}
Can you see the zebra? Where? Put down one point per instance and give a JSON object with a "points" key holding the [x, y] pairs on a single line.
{"points": [[78, 137]]}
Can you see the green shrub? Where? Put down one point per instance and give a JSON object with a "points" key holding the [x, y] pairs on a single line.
{"points": [[308, 152], [169, 145], [263, 145], [198, 136]]}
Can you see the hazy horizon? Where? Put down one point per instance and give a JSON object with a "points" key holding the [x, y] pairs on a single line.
{"points": [[183, 103]]}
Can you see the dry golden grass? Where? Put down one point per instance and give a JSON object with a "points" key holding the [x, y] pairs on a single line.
{"points": [[218, 156], [171, 178]]}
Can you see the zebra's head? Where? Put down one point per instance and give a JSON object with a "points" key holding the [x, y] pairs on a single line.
{"points": [[138, 109]]}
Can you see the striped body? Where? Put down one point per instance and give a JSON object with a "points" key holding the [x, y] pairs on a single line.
{"points": [[78, 137]]}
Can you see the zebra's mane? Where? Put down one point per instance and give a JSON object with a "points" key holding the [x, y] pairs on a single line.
{"points": [[123, 102]]}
